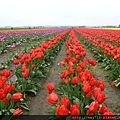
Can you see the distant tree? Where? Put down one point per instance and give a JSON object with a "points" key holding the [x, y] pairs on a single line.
{"points": [[119, 26], [11, 28]]}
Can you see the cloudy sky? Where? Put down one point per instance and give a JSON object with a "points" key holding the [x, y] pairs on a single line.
{"points": [[59, 12]]}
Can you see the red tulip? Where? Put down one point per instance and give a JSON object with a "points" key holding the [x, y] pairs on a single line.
{"points": [[94, 52], [32, 55], [74, 109], [88, 74], [53, 98], [75, 112], [28, 60], [70, 69], [26, 73], [75, 80], [86, 88], [61, 111], [15, 61], [21, 60], [82, 76], [74, 106], [102, 109], [101, 85], [50, 87], [64, 74], [25, 56], [3, 79], [6, 73], [91, 61], [73, 60], [89, 95], [1, 84], [67, 58], [89, 113], [2, 94], [20, 55], [96, 92], [67, 51], [24, 67], [82, 64], [63, 63], [113, 83], [93, 106], [66, 80], [7, 88], [17, 96], [93, 82], [12, 87], [18, 111], [78, 69], [6, 100], [108, 112], [101, 97], [65, 101]]}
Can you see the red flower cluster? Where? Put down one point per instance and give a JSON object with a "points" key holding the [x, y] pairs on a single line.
{"points": [[6, 88], [75, 73]]}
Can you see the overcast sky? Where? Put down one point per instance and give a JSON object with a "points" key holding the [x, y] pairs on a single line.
{"points": [[59, 12]]}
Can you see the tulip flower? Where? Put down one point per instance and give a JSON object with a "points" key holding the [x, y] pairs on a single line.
{"points": [[50, 87], [65, 101], [52, 98], [93, 106], [17, 96], [102, 109], [6, 100], [2, 94], [17, 111], [74, 80], [61, 111], [15, 61], [74, 109]]}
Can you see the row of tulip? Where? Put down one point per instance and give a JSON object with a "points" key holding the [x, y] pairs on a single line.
{"points": [[32, 67], [25, 48], [105, 53], [110, 36], [80, 93], [9, 40]]}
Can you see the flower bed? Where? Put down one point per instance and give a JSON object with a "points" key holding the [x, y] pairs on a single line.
{"points": [[105, 53], [80, 93], [33, 66]]}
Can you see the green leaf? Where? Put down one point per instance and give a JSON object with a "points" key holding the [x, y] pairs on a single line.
{"points": [[117, 84], [12, 110], [24, 107], [87, 106], [77, 101], [107, 67], [32, 91], [0, 112]]}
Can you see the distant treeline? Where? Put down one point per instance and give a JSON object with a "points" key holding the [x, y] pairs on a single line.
{"points": [[83, 26]]}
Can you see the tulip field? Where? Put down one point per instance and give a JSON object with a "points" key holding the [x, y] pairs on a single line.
{"points": [[85, 81]]}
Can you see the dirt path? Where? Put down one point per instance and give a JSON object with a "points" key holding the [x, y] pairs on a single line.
{"points": [[39, 104], [112, 93]]}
